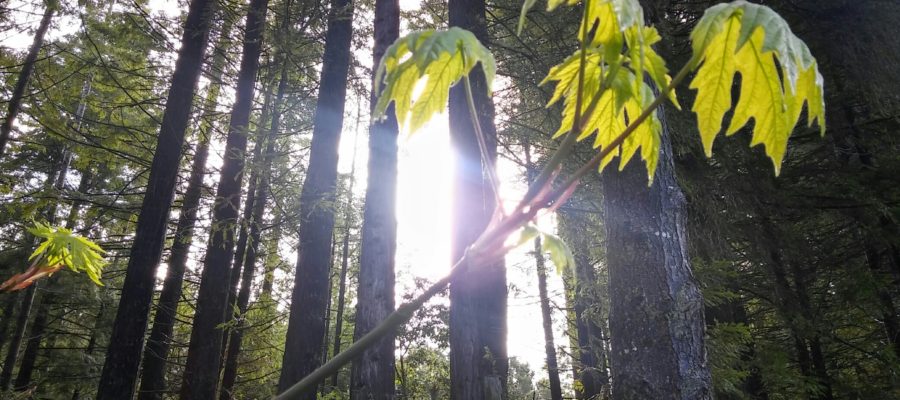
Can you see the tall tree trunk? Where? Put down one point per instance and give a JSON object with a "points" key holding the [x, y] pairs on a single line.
{"points": [[656, 312], [92, 342], [547, 319], [9, 310], [249, 263], [331, 274], [39, 325], [342, 292], [54, 182], [12, 352], [33, 345], [345, 263], [478, 358], [306, 326], [123, 356], [156, 353], [372, 375], [15, 101], [590, 350], [240, 250], [201, 373]]}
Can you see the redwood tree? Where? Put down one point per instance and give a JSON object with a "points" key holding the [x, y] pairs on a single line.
{"points": [[15, 101], [306, 326], [127, 339], [372, 375], [201, 374], [478, 362], [156, 353]]}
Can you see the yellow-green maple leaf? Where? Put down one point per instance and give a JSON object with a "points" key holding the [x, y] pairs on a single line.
{"points": [[753, 40], [62, 247], [440, 57]]}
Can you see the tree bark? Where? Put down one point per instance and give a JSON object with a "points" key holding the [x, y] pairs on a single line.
{"points": [[156, 352], [9, 310], [54, 181], [547, 319], [590, 349], [342, 285], [12, 352], [127, 340], [15, 101], [656, 312], [33, 344], [229, 374], [372, 375], [306, 326], [478, 357], [201, 373]]}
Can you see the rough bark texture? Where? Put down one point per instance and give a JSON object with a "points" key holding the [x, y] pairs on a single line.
{"points": [[15, 101], [656, 312], [590, 365], [547, 322], [306, 327], [127, 340], [201, 373], [12, 352], [9, 310], [35, 337], [156, 352], [229, 374], [478, 359], [372, 375]]}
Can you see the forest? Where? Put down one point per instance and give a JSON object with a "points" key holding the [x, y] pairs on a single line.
{"points": [[460, 199]]}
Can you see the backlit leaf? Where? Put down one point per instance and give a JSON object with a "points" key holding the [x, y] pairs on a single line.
{"points": [[778, 76], [62, 247], [442, 58], [560, 254]]}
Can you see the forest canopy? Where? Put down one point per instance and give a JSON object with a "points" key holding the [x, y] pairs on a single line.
{"points": [[409, 200]]}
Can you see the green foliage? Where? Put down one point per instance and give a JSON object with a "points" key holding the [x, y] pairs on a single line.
{"points": [[62, 247], [603, 83], [442, 58], [601, 73], [746, 38], [560, 254]]}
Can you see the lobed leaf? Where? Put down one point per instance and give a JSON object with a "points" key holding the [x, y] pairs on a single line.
{"points": [[778, 76], [614, 78], [441, 59], [61, 247]]}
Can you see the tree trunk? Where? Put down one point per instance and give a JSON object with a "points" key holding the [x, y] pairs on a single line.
{"points": [[54, 181], [201, 373], [240, 250], [590, 350], [372, 375], [342, 289], [249, 263], [478, 360], [92, 342], [9, 309], [306, 326], [156, 353], [656, 312], [547, 319], [15, 101], [12, 352], [127, 340], [33, 345]]}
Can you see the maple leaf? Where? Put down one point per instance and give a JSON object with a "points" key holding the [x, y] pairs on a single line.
{"points": [[778, 76], [441, 59]]}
